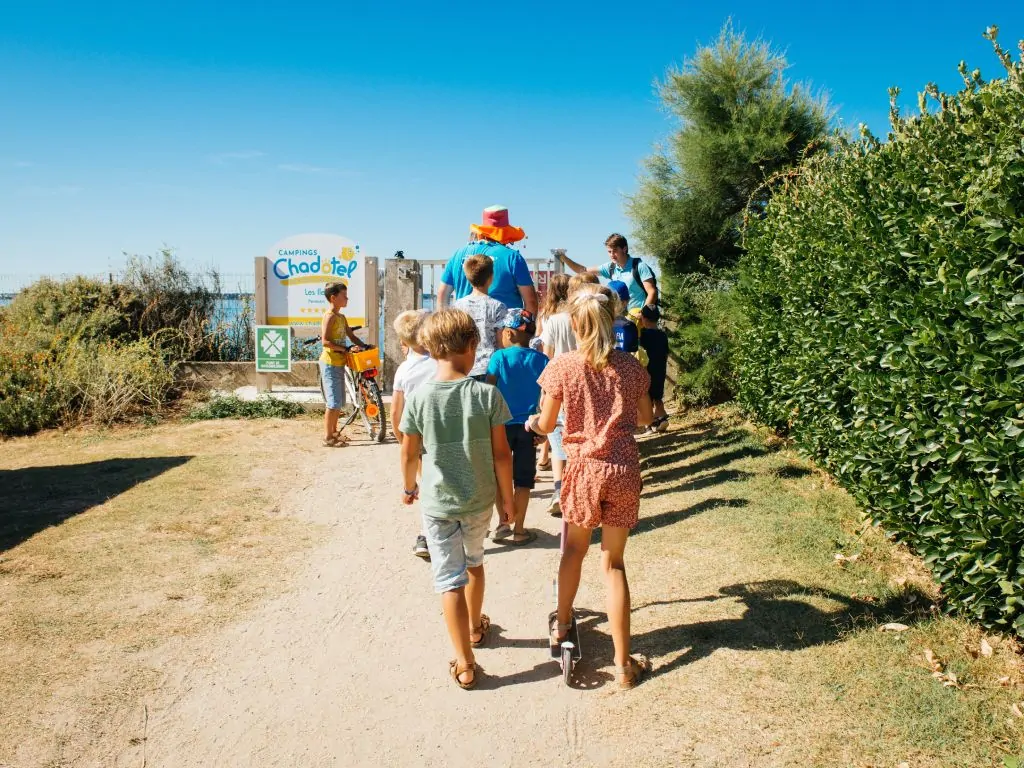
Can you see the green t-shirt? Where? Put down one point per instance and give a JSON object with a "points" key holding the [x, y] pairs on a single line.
{"points": [[455, 418]]}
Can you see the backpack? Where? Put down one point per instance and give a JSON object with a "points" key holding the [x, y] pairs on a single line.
{"points": [[636, 275], [627, 337]]}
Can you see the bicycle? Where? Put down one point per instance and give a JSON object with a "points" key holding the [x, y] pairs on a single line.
{"points": [[364, 394]]}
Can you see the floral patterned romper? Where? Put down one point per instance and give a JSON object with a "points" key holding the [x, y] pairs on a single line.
{"points": [[602, 484]]}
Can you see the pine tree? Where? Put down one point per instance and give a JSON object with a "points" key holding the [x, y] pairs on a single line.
{"points": [[741, 124]]}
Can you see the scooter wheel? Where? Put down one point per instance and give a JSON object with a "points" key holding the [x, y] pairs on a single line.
{"points": [[567, 662]]}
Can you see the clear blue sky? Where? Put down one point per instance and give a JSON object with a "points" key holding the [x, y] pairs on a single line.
{"points": [[218, 128]]}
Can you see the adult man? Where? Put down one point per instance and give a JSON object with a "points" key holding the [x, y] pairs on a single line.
{"points": [[642, 292], [513, 283]]}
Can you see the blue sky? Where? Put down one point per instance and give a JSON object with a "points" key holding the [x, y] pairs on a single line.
{"points": [[220, 128]]}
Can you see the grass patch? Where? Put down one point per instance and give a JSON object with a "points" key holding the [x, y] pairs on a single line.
{"points": [[113, 543], [761, 597], [234, 407]]}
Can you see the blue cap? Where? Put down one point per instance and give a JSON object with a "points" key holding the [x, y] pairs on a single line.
{"points": [[621, 289], [517, 320]]}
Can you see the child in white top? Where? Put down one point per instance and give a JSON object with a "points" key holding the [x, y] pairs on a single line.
{"points": [[417, 368]]}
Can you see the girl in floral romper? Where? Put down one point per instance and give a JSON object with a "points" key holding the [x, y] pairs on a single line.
{"points": [[604, 395]]}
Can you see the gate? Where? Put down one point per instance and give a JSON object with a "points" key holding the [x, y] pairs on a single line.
{"points": [[411, 284]]}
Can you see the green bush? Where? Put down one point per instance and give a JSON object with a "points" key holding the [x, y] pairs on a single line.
{"points": [[884, 289], [233, 407], [706, 317]]}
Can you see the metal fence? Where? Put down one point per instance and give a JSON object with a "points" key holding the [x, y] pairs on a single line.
{"points": [[432, 269]]}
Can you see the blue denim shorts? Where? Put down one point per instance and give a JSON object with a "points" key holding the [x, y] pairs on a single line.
{"points": [[455, 545], [555, 441], [332, 384]]}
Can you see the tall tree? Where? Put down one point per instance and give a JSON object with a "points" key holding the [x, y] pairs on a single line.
{"points": [[742, 122]]}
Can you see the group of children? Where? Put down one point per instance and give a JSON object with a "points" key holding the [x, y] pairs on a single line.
{"points": [[473, 398]]}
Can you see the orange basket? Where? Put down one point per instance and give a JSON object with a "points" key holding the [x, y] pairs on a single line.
{"points": [[365, 360]]}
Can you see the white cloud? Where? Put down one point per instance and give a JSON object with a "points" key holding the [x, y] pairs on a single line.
{"points": [[22, 164]]}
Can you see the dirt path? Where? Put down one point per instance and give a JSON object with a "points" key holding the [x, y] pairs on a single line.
{"points": [[767, 653], [349, 666]]}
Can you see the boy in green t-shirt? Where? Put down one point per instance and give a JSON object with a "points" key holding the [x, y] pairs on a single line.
{"points": [[457, 425]]}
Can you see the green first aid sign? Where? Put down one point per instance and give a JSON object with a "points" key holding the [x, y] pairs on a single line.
{"points": [[273, 349]]}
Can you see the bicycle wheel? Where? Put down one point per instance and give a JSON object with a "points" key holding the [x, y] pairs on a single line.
{"points": [[375, 418]]}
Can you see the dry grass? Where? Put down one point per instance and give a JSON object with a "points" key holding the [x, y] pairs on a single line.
{"points": [[767, 648], [113, 543]]}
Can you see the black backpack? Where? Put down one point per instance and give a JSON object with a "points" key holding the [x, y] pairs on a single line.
{"points": [[636, 275]]}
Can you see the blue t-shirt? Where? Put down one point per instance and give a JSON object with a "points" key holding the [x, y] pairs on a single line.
{"points": [[517, 370], [510, 272], [637, 293]]}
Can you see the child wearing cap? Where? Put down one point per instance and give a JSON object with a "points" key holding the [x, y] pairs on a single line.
{"points": [[655, 341], [514, 369]]}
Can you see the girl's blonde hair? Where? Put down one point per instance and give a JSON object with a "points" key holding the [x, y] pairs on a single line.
{"points": [[557, 295], [592, 309], [581, 280]]}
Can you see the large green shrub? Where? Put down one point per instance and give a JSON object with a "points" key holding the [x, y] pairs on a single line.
{"points": [[706, 320], [885, 294]]}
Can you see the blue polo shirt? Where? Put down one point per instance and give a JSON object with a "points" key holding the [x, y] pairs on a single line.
{"points": [[517, 370], [637, 293], [510, 272]]}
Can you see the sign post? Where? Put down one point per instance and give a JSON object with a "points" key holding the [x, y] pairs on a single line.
{"points": [[273, 349]]}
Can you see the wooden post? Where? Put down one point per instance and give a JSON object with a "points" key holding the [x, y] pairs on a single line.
{"points": [[403, 286], [372, 294], [262, 379]]}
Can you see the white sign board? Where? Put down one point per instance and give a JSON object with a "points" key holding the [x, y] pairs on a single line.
{"points": [[298, 270]]}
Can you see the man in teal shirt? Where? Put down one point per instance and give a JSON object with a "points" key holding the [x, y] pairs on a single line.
{"points": [[625, 268]]}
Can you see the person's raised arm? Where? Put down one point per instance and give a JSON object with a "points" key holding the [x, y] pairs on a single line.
{"points": [[575, 266]]}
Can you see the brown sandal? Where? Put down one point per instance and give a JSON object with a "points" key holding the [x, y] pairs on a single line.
{"points": [[636, 669], [454, 671], [482, 630]]}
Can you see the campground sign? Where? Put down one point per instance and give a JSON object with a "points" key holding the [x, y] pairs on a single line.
{"points": [[297, 269]]}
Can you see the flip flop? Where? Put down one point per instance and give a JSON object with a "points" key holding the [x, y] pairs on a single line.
{"points": [[528, 537]]}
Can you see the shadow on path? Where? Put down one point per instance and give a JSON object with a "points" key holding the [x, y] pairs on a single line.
{"points": [[35, 498], [775, 617]]}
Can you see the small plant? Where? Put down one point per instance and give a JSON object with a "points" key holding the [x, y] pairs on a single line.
{"points": [[234, 407]]}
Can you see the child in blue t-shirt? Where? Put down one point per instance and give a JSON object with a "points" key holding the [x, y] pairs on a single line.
{"points": [[514, 369]]}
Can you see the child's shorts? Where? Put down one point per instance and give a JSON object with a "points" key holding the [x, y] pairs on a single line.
{"points": [[555, 441], [455, 545], [524, 456], [596, 493], [332, 384]]}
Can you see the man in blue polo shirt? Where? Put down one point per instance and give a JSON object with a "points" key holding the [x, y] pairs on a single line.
{"points": [[512, 284], [623, 267]]}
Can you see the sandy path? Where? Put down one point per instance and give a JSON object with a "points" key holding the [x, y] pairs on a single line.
{"points": [[349, 666]]}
